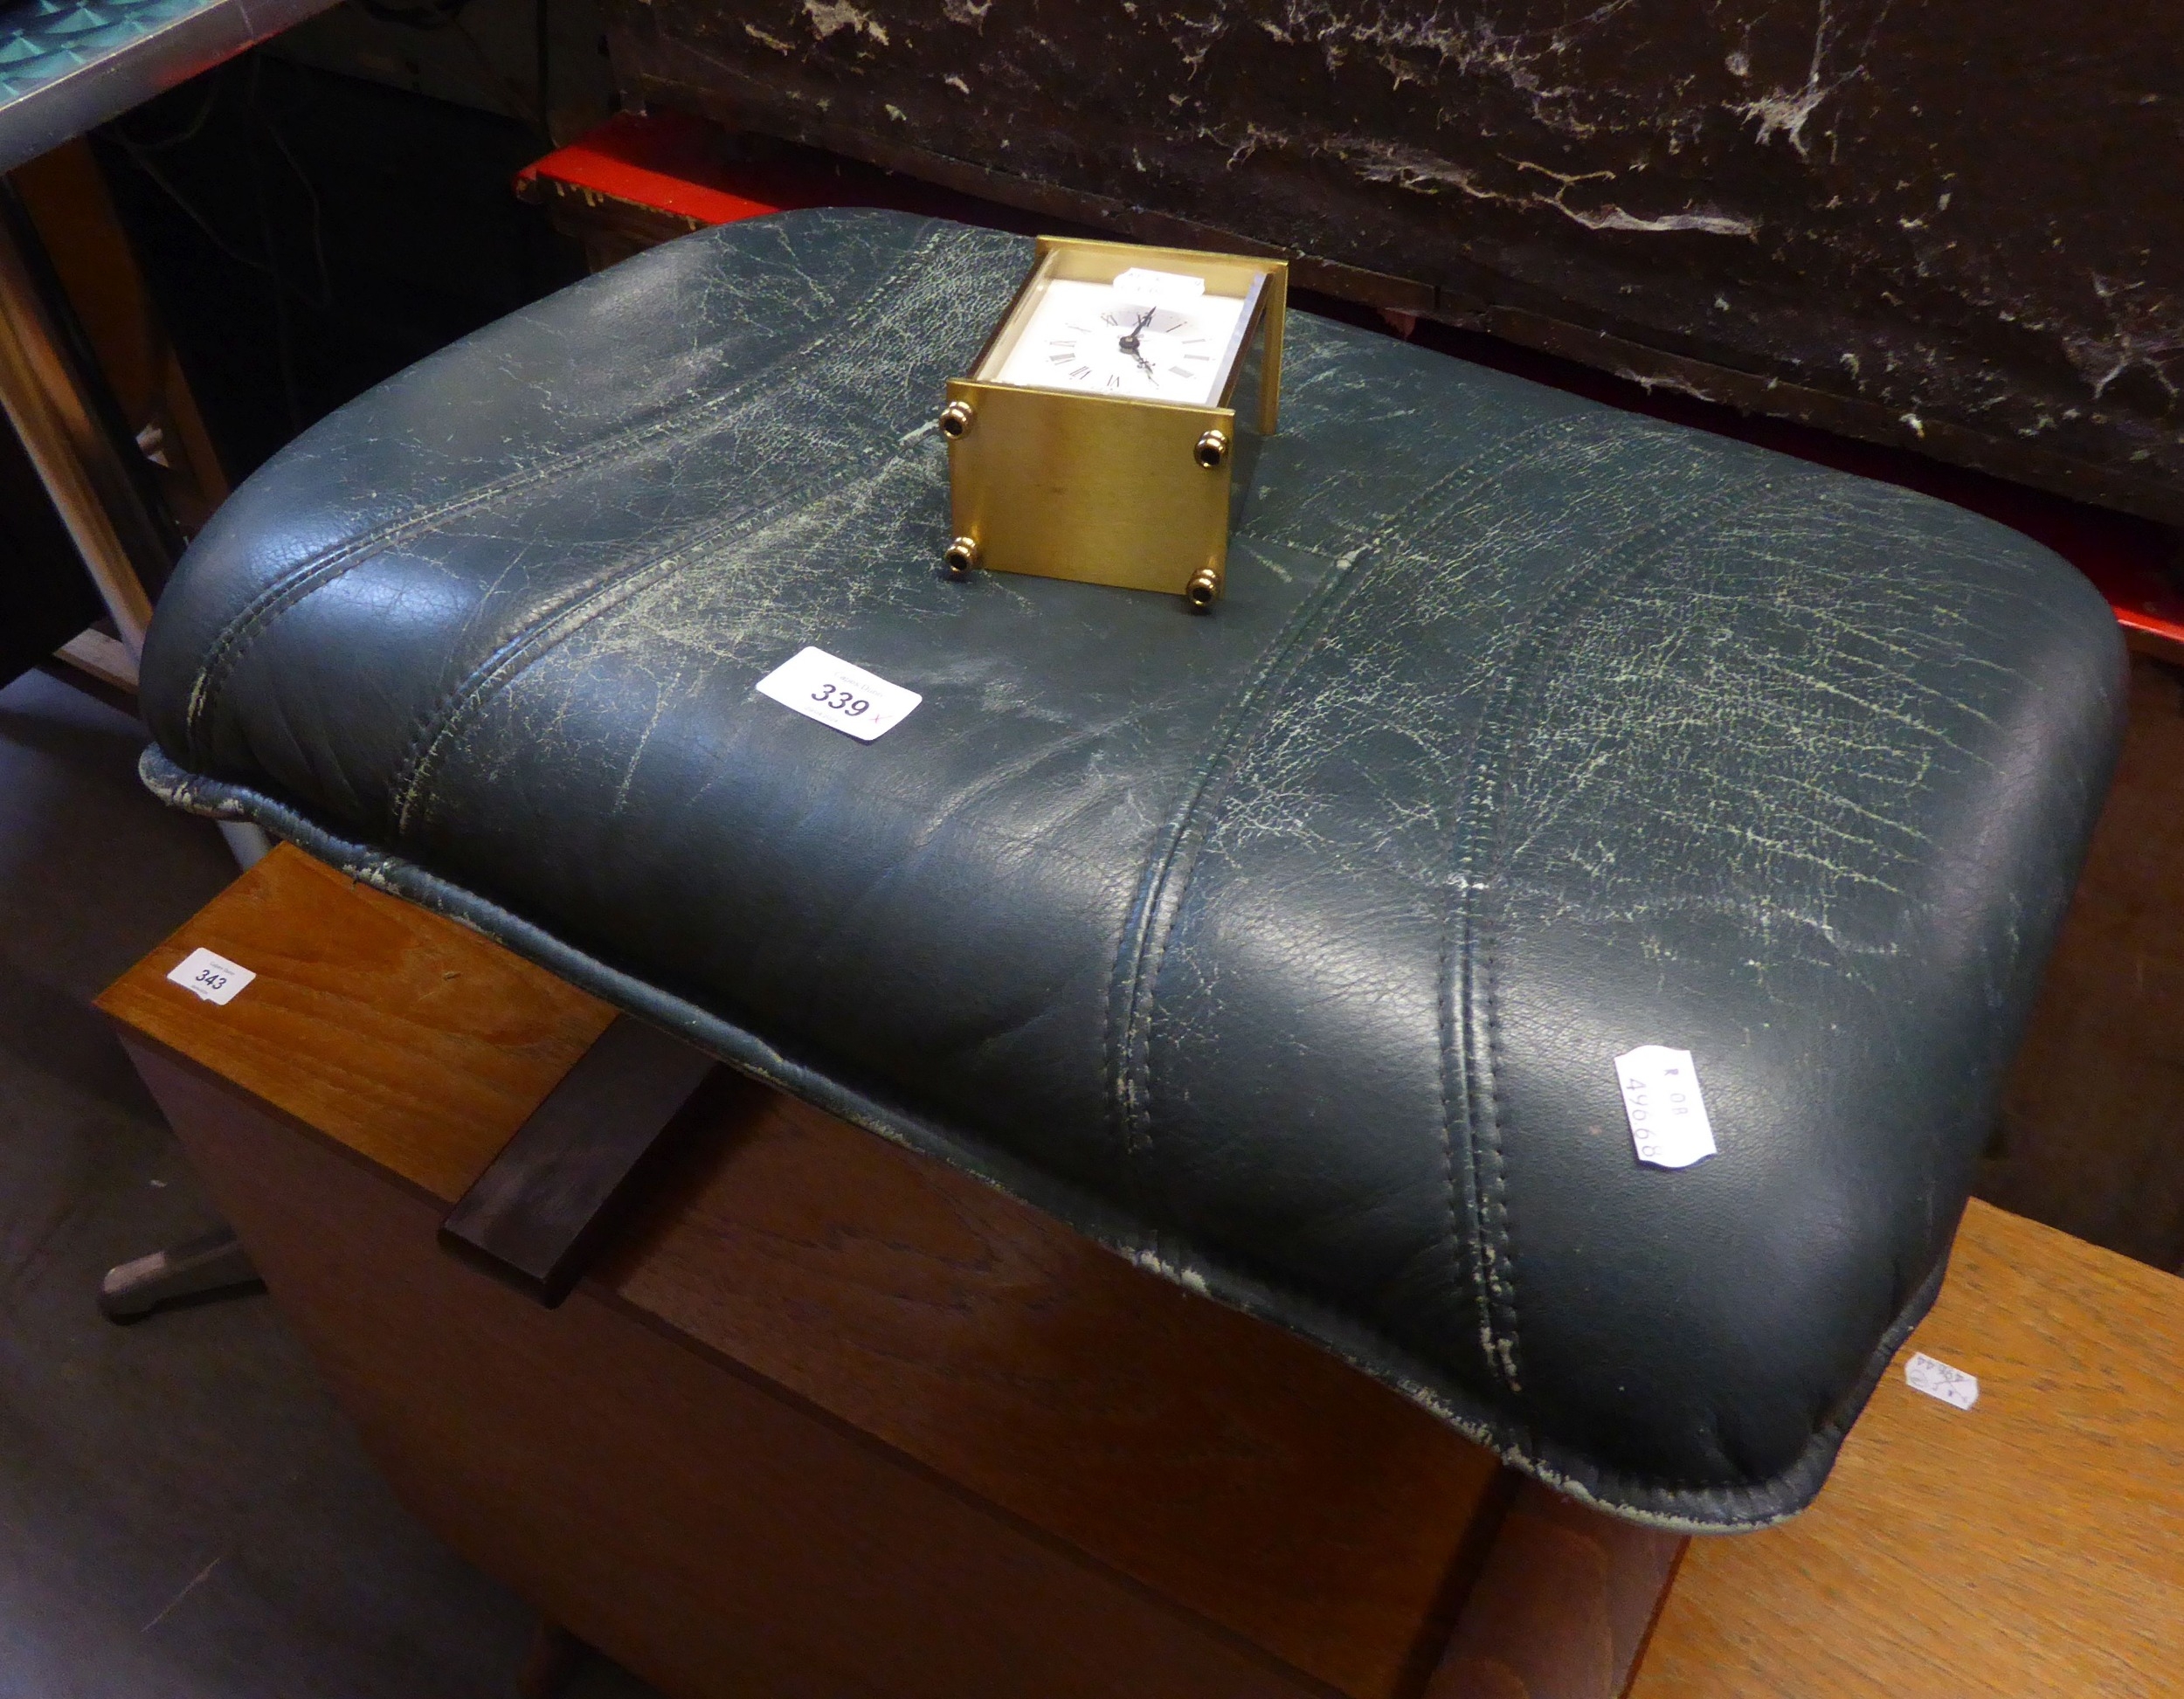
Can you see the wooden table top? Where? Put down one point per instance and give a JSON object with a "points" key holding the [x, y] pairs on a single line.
{"points": [[414, 1043], [2030, 1547]]}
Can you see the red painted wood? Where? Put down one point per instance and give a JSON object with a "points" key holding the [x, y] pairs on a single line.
{"points": [[676, 164], [664, 161]]}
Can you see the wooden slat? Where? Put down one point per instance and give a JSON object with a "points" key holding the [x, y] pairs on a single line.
{"points": [[1213, 1459], [547, 1202], [2032, 1546]]}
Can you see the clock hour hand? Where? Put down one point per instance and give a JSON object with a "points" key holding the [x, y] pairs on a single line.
{"points": [[1129, 344]]}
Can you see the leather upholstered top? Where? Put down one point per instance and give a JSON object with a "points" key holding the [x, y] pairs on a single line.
{"points": [[1285, 949]]}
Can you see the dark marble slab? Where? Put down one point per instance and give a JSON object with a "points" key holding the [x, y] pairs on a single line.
{"points": [[1954, 229]]}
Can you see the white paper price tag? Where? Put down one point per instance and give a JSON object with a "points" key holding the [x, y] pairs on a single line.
{"points": [[1660, 1097], [1151, 288], [1938, 1380], [835, 693], [212, 978]]}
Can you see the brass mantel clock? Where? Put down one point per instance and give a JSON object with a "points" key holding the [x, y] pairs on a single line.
{"points": [[1093, 438]]}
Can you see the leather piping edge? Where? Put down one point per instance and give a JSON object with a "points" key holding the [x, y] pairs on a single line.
{"points": [[1674, 1507]]}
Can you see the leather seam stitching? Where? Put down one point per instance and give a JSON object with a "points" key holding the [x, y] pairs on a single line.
{"points": [[549, 630], [1549, 634], [1458, 1057], [272, 601], [1494, 1256], [1136, 973], [1141, 956], [1450, 1005]]}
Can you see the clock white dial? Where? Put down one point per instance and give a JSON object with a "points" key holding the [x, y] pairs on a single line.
{"points": [[1086, 336]]}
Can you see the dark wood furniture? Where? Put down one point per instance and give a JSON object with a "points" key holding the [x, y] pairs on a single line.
{"points": [[826, 1418]]}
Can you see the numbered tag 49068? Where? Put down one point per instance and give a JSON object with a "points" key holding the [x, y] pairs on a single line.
{"points": [[1667, 1112], [836, 693]]}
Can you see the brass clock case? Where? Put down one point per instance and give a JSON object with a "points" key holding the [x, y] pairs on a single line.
{"points": [[1103, 489]]}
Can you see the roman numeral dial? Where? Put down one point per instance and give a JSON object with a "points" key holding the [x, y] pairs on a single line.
{"points": [[1085, 336]]}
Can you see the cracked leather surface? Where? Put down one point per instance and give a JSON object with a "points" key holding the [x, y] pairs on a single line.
{"points": [[1285, 950]]}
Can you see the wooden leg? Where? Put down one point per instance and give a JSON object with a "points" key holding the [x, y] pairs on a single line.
{"points": [[1564, 1607], [212, 1263]]}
